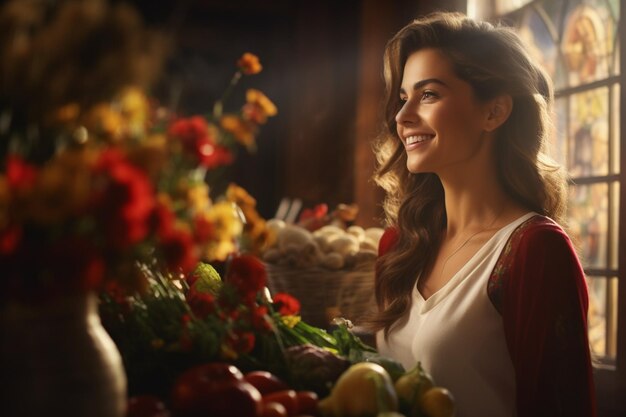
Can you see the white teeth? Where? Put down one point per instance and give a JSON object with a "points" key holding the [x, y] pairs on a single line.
{"points": [[417, 138]]}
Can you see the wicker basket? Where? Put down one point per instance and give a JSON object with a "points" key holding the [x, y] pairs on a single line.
{"points": [[325, 294]]}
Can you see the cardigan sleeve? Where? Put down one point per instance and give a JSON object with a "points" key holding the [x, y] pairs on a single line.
{"points": [[387, 240], [544, 313]]}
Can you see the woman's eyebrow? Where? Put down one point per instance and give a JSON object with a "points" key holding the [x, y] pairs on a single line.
{"points": [[422, 83]]}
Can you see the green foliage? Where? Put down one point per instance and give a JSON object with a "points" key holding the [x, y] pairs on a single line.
{"points": [[160, 335]]}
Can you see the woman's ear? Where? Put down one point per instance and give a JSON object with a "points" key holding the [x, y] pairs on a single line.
{"points": [[499, 110]]}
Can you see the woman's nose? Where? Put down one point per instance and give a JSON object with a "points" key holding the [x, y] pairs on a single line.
{"points": [[407, 114]]}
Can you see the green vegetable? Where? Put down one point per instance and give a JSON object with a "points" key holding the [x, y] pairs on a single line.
{"points": [[364, 390], [208, 279], [411, 388], [356, 351]]}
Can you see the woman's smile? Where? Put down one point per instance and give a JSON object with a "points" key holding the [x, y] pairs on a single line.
{"points": [[415, 141], [440, 122]]}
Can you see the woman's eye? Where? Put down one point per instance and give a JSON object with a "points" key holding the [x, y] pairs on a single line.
{"points": [[426, 95]]}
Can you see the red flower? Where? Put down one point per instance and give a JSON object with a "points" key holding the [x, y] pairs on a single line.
{"points": [[203, 229], [258, 318], [240, 342], [313, 219], [162, 219], [211, 155], [285, 304], [118, 293], [10, 239], [126, 203], [177, 251], [189, 130], [202, 304], [20, 174], [247, 274], [317, 212], [199, 141]]}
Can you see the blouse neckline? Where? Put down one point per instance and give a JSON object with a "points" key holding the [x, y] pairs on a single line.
{"points": [[458, 277]]}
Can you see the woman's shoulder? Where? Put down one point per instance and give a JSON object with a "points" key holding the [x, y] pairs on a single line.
{"points": [[388, 240], [538, 230], [531, 244]]}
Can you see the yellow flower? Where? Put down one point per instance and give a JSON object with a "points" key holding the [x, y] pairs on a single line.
{"points": [[255, 228], [290, 321], [198, 198], [249, 64], [256, 97], [135, 108], [242, 131], [228, 227]]}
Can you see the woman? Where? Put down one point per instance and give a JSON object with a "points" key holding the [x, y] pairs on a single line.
{"points": [[476, 279]]}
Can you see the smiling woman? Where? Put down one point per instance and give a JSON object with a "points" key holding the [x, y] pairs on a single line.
{"points": [[441, 120], [480, 284]]}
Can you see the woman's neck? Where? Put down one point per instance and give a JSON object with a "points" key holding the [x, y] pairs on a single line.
{"points": [[473, 200]]}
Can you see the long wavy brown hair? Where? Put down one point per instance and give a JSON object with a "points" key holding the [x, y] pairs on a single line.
{"points": [[493, 60]]}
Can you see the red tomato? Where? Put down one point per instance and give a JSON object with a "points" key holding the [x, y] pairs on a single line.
{"points": [[146, 406], [288, 398], [273, 409], [217, 390], [265, 382], [307, 403]]}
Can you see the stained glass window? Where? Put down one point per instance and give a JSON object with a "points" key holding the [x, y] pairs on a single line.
{"points": [[577, 43]]}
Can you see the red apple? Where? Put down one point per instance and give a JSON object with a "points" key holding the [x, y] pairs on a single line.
{"points": [[216, 390], [265, 382]]}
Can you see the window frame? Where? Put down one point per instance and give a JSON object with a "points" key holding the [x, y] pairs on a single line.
{"points": [[609, 375]]}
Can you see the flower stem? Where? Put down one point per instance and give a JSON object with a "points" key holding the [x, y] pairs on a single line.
{"points": [[218, 107]]}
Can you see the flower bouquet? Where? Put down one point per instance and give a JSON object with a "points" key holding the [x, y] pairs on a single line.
{"points": [[124, 182], [97, 179]]}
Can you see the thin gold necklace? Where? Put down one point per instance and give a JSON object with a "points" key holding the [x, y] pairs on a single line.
{"points": [[467, 241]]}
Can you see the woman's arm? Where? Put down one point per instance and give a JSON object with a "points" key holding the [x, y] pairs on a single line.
{"points": [[544, 311]]}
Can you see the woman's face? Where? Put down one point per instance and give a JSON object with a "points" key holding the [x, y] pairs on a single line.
{"points": [[441, 123]]}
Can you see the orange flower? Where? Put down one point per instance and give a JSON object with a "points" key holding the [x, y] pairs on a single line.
{"points": [[249, 64], [239, 196], [242, 131], [256, 97], [103, 119]]}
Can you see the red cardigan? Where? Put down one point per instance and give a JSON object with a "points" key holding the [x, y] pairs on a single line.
{"points": [[539, 288]]}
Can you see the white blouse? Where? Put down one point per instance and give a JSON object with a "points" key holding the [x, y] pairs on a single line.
{"points": [[457, 335]]}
